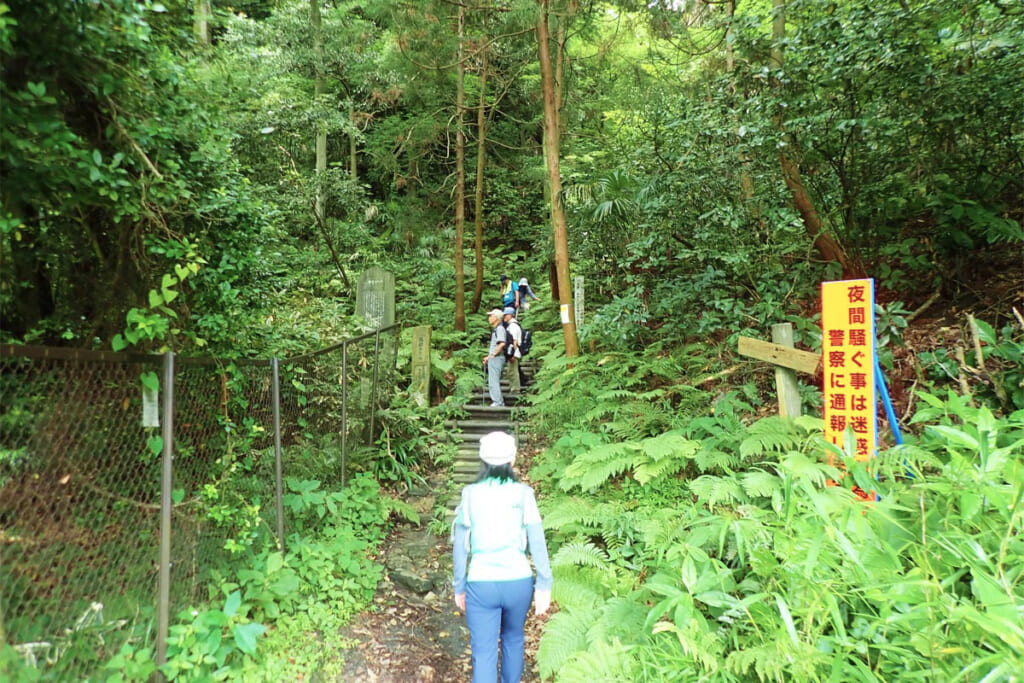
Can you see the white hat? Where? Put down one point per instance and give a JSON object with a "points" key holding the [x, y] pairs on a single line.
{"points": [[495, 311], [497, 448], [524, 282]]}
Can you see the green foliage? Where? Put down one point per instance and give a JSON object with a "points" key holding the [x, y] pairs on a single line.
{"points": [[649, 459], [771, 573]]}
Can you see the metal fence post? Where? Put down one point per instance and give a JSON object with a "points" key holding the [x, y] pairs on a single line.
{"points": [[275, 368], [167, 482], [344, 409], [373, 392]]}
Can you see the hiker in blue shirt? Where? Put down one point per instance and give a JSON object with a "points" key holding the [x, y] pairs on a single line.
{"points": [[509, 292], [495, 523]]}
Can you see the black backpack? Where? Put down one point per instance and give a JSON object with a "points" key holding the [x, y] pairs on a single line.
{"points": [[524, 345]]}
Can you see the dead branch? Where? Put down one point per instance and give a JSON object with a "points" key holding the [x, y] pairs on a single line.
{"points": [[925, 306]]}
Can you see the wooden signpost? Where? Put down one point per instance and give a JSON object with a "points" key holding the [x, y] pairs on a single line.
{"points": [[787, 361]]}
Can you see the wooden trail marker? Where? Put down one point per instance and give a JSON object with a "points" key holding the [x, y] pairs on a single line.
{"points": [[787, 361]]}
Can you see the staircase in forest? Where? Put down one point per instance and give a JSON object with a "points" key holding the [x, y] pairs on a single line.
{"points": [[481, 419]]}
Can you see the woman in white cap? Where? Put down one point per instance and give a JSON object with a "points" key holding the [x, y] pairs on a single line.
{"points": [[525, 292], [495, 523]]}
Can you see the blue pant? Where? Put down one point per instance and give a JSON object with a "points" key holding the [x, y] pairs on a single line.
{"points": [[496, 608], [494, 368]]}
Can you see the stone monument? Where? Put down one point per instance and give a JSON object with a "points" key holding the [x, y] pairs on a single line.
{"points": [[420, 385]]}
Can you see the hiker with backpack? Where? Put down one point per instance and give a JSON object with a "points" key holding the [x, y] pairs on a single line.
{"points": [[525, 293], [494, 361], [496, 523], [512, 350], [509, 292]]}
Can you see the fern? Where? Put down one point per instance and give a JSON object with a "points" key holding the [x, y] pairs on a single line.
{"points": [[760, 484], [616, 395], [567, 513], [666, 529], [595, 467], [649, 459], [578, 587], [565, 634], [713, 490], [715, 460], [580, 554], [621, 617], [600, 411], [696, 641], [779, 659], [401, 508], [603, 662], [800, 467], [772, 434], [647, 472]]}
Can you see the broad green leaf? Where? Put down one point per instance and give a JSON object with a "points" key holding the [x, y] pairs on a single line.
{"points": [[986, 333], [274, 562], [177, 495], [155, 444], [150, 380], [954, 436], [154, 298], [232, 604], [246, 635]]}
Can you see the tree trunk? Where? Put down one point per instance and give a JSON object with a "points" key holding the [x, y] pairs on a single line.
{"points": [[478, 214], [319, 201], [318, 91], [201, 11], [746, 182], [353, 159], [551, 146], [460, 178], [826, 245]]}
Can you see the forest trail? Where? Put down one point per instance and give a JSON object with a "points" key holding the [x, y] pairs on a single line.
{"points": [[413, 633]]}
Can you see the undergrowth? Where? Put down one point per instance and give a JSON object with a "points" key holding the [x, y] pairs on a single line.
{"points": [[693, 539]]}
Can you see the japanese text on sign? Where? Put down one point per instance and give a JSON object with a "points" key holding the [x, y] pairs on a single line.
{"points": [[848, 361]]}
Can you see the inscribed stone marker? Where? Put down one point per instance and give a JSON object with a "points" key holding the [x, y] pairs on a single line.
{"points": [[577, 299], [375, 298], [420, 385]]}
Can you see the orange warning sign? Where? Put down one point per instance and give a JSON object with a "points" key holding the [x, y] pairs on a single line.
{"points": [[848, 363]]}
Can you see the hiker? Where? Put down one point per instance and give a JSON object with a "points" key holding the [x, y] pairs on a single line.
{"points": [[494, 361], [496, 522], [512, 353], [509, 292], [525, 293]]}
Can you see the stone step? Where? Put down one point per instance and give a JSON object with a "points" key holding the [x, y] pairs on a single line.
{"points": [[480, 425], [470, 437], [484, 397], [486, 409]]}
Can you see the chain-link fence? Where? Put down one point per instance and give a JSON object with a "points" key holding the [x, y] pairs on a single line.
{"points": [[114, 501]]}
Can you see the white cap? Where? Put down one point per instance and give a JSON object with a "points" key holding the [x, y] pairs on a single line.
{"points": [[497, 448], [524, 282]]}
